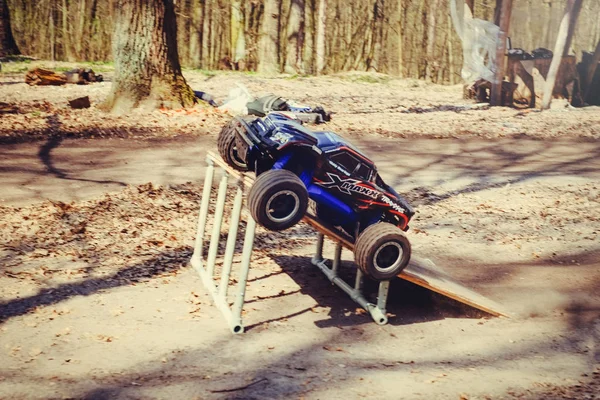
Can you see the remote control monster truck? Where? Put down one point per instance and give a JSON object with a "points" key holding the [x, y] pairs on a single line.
{"points": [[294, 164]]}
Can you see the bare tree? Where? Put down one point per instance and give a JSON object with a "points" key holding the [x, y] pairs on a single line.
{"points": [[295, 37], [147, 70], [376, 37], [320, 36], [8, 46], [267, 44], [238, 37], [431, 41]]}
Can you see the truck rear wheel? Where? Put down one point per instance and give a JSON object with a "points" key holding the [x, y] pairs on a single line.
{"points": [[278, 199], [382, 251], [227, 147]]}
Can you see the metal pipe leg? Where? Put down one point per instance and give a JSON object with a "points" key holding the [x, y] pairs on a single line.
{"points": [[382, 295], [208, 180], [244, 269], [231, 239], [319, 252], [216, 233], [358, 284], [336, 259]]}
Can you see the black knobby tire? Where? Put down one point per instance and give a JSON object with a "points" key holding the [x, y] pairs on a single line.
{"points": [[227, 147], [382, 251], [278, 199]]}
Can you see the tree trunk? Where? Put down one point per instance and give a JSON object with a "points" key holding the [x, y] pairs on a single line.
{"points": [[559, 48], [400, 53], [320, 36], [206, 43], [451, 71], [308, 56], [295, 37], [431, 34], [147, 69], [8, 46], [66, 42], [267, 43], [238, 37], [195, 33], [376, 37]]}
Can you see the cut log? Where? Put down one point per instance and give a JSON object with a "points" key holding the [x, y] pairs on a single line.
{"points": [[44, 77], [81, 102]]}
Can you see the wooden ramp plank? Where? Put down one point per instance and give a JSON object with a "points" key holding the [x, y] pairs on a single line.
{"points": [[422, 272]]}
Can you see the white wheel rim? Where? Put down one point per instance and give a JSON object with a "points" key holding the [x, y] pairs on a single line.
{"points": [[289, 216], [395, 264]]}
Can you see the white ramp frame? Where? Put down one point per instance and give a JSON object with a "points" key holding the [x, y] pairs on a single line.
{"points": [[206, 269], [377, 311]]}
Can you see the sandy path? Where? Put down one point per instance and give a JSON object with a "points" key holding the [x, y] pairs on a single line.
{"points": [[150, 331]]}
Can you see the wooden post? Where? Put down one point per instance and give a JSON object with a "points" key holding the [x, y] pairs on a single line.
{"points": [[505, 13], [559, 49], [497, 12]]}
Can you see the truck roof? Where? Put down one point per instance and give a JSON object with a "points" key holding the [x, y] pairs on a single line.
{"points": [[331, 141], [325, 140]]}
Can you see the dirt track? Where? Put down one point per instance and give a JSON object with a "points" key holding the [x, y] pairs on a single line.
{"points": [[97, 300]]}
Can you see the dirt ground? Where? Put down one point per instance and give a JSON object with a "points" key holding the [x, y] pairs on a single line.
{"points": [[97, 222]]}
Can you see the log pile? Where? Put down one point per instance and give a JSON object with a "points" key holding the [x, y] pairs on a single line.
{"points": [[46, 77]]}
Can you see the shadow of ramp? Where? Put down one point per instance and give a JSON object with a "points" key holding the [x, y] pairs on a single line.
{"points": [[407, 303]]}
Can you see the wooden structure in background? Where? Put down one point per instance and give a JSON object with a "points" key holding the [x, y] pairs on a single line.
{"points": [[556, 77], [590, 76], [530, 77]]}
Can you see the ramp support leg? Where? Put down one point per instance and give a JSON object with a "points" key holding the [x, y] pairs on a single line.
{"points": [[377, 311], [208, 179], [205, 266]]}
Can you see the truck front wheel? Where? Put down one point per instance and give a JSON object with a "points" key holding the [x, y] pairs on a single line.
{"points": [[278, 199], [227, 147]]}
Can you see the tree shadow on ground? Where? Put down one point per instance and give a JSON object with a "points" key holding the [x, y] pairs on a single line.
{"points": [[499, 273], [143, 271], [53, 142], [490, 164], [301, 371]]}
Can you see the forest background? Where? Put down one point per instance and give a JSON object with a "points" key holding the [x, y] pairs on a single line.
{"points": [[407, 38]]}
